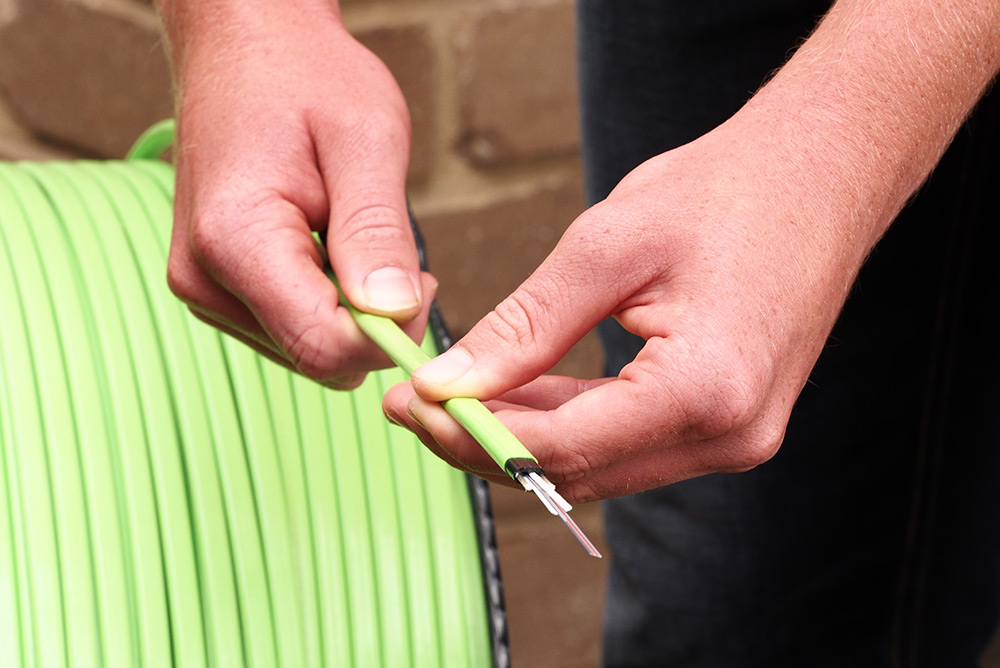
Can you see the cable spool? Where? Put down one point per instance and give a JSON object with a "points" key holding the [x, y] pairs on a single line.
{"points": [[168, 497]]}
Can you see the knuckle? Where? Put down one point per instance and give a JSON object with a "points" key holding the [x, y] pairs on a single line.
{"points": [[582, 491], [307, 349], [575, 464], [754, 449], [374, 225], [225, 228], [385, 125], [727, 406], [217, 246], [208, 240], [512, 319], [372, 131], [346, 382], [767, 443], [180, 281], [717, 393]]}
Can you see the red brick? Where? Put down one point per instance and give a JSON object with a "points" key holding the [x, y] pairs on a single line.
{"points": [[517, 82], [89, 75], [409, 54], [19, 147], [16, 143]]}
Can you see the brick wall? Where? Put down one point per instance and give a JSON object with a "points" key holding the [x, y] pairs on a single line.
{"points": [[495, 178]]}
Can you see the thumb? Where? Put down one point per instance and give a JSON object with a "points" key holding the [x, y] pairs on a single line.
{"points": [[529, 331], [369, 239]]}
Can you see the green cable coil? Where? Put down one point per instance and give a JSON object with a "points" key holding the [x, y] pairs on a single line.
{"points": [[170, 498]]}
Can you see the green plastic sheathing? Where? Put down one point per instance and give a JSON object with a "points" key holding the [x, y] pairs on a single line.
{"points": [[170, 498]]}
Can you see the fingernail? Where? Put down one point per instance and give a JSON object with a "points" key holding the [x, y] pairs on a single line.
{"points": [[389, 289], [412, 414], [393, 419], [445, 368]]}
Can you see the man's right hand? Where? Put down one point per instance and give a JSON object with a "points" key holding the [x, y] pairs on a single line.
{"points": [[287, 126]]}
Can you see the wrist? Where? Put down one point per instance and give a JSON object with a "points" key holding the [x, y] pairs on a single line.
{"points": [[200, 29], [862, 112]]}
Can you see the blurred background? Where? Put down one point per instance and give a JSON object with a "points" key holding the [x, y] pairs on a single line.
{"points": [[494, 179]]}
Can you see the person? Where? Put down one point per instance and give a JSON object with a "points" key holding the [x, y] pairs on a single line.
{"points": [[727, 229]]}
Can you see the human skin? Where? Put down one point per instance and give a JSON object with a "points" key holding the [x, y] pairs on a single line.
{"points": [[731, 256], [288, 126]]}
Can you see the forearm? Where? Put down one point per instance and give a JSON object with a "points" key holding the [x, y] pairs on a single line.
{"points": [[220, 26], [872, 100]]}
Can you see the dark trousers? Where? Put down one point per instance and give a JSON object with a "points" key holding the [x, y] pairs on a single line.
{"points": [[873, 537]]}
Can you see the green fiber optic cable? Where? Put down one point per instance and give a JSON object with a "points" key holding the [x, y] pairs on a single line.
{"points": [[154, 142], [170, 498], [262, 575], [100, 471], [149, 364], [59, 418], [495, 438], [151, 478], [505, 449], [33, 603], [146, 614], [212, 537], [250, 577]]}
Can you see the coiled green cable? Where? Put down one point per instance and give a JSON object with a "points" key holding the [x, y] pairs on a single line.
{"points": [[168, 497]]}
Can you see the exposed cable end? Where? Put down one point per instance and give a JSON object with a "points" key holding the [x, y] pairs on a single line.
{"points": [[535, 481]]}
